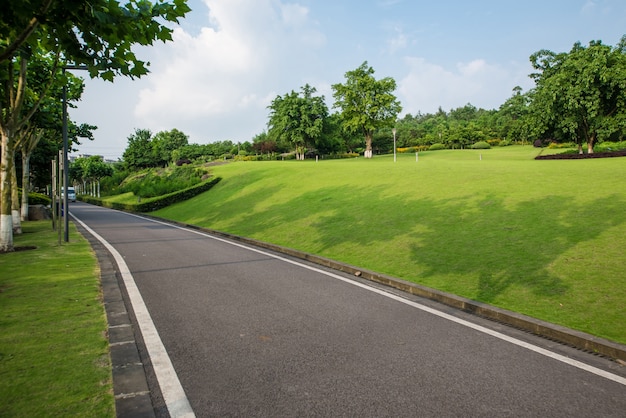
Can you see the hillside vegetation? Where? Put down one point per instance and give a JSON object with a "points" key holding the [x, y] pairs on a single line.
{"points": [[544, 238]]}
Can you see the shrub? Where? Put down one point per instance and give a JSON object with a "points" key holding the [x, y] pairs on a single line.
{"points": [[561, 145], [481, 145], [156, 203], [38, 199], [505, 143], [435, 147]]}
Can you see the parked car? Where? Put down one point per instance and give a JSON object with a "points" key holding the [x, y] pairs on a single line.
{"points": [[71, 194]]}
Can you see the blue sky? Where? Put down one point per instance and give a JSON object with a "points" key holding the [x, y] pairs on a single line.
{"points": [[230, 58]]}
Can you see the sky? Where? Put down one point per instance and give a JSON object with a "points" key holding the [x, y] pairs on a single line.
{"points": [[230, 58]]}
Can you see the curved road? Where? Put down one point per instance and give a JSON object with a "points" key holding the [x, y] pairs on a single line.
{"points": [[251, 333]]}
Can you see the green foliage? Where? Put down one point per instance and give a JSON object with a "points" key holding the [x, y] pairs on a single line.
{"points": [[165, 143], [158, 182], [99, 33], [155, 203], [435, 147], [38, 199], [298, 118], [139, 153], [481, 145], [580, 96], [366, 104]]}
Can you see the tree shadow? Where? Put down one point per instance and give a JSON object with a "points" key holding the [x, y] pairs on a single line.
{"points": [[500, 244]]}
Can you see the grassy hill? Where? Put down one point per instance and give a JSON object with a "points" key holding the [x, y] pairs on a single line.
{"points": [[544, 238]]}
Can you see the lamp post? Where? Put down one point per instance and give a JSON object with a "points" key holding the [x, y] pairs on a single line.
{"points": [[66, 167], [394, 144]]}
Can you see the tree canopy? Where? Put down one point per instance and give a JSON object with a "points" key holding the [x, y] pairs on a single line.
{"points": [[366, 104], [95, 34], [298, 118], [580, 96]]}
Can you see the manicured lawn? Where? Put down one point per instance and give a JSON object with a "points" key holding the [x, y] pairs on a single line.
{"points": [[54, 354], [544, 238]]}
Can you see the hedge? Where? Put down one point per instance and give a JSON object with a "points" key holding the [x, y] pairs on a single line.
{"points": [[156, 203]]}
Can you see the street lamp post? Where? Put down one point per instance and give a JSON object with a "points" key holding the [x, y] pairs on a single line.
{"points": [[65, 152], [394, 144]]}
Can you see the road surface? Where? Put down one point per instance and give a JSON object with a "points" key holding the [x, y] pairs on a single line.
{"points": [[251, 333]]}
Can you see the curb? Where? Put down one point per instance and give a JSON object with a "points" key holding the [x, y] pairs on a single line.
{"points": [[577, 339], [130, 386]]}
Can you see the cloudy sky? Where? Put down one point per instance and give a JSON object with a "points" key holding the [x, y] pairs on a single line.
{"points": [[230, 58]]}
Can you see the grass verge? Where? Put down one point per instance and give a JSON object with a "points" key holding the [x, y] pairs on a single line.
{"points": [[543, 238], [54, 354]]}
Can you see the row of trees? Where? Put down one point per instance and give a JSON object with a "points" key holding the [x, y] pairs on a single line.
{"points": [[97, 35], [579, 97]]}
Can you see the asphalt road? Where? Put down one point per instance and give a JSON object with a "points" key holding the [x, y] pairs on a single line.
{"points": [[251, 333]]}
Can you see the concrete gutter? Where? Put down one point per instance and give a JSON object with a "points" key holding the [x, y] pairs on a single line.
{"points": [[577, 339]]}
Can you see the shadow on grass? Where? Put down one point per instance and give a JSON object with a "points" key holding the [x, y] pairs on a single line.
{"points": [[500, 245]]}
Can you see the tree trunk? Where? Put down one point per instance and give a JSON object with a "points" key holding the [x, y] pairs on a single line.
{"points": [[368, 145], [25, 185], [590, 143], [15, 201], [6, 220]]}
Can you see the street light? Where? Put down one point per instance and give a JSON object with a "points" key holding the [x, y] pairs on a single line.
{"points": [[65, 150], [394, 144]]}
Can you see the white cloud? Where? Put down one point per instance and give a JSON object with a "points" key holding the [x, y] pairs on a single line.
{"points": [[233, 65], [398, 42], [427, 86]]}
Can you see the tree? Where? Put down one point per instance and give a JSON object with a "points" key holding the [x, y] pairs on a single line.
{"points": [[91, 169], [513, 116], [298, 118], [366, 104], [139, 152], [580, 96], [165, 143], [98, 34]]}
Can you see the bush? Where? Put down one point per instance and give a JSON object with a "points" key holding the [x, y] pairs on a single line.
{"points": [[505, 143], [435, 147], [38, 199], [481, 145], [156, 203], [152, 183], [561, 145]]}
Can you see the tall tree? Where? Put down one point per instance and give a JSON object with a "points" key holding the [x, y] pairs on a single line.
{"points": [[366, 104], [139, 152], [165, 143], [298, 118], [98, 34], [580, 95]]}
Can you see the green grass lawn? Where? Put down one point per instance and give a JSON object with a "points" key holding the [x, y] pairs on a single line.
{"points": [[543, 238], [54, 353]]}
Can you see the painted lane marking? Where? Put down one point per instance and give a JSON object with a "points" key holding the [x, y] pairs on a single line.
{"points": [[555, 356], [173, 393]]}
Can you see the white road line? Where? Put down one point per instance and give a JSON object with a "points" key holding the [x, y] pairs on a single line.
{"points": [[173, 393], [575, 363]]}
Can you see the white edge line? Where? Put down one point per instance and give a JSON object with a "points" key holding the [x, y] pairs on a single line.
{"points": [[173, 393], [575, 363]]}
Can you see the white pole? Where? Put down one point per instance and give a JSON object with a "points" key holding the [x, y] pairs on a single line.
{"points": [[394, 144]]}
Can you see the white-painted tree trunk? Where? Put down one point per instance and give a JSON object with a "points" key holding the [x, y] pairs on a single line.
{"points": [[15, 203], [6, 219], [6, 233], [25, 186]]}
